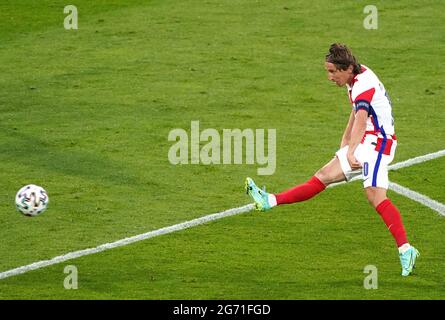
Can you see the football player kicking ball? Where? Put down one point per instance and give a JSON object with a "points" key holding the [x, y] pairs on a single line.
{"points": [[367, 147]]}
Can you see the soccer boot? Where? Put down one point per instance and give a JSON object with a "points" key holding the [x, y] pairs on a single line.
{"points": [[260, 197], [408, 260]]}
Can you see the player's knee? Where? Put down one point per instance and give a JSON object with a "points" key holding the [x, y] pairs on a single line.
{"points": [[324, 176], [371, 200], [370, 196], [331, 173], [374, 197]]}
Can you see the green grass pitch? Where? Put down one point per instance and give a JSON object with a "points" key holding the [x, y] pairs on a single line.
{"points": [[86, 113]]}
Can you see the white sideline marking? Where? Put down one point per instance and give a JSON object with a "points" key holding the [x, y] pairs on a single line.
{"points": [[180, 226], [126, 241], [416, 160], [413, 195]]}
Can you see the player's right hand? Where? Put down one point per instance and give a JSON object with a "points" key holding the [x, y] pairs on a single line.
{"points": [[353, 162]]}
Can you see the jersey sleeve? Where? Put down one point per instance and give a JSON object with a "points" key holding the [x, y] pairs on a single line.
{"points": [[362, 100]]}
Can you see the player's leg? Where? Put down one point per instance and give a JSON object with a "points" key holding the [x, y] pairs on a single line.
{"points": [[375, 195], [389, 213], [376, 186], [330, 173], [336, 170]]}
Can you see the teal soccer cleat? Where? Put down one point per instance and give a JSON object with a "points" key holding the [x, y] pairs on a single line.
{"points": [[260, 197], [408, 260]]}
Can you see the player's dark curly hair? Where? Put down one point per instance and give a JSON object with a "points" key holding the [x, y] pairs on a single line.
{"points": [[340, 55]]}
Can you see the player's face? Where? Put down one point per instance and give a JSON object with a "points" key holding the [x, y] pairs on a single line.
{"points": [[340, 77]]}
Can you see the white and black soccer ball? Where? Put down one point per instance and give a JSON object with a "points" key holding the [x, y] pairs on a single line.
{"points": [[31, 200]]}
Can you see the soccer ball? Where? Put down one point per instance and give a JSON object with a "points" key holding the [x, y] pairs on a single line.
{"points": [[31, 200]]}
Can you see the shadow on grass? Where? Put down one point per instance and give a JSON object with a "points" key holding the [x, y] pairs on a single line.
{"points": [[29, 150]]}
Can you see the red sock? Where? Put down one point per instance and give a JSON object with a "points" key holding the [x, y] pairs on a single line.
{"points": [[301, 192], [392, 219]]}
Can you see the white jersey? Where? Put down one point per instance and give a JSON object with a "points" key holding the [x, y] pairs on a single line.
{"points": [[368, 93]]}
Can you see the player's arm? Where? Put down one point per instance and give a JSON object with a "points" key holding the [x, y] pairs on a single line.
{"points": [[347, 133], [357, 132]]}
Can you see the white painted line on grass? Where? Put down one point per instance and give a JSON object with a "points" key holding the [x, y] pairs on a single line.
{"points": [[420, 198], [177, 227], [126, 241], [416, 160]]}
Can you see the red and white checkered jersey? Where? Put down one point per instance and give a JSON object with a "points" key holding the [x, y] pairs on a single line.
{"points": [[368, 93]]}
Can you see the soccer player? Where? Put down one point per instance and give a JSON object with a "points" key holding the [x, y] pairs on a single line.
{"points": [[367, 147]]}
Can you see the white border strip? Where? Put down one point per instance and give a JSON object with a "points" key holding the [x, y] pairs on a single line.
{"points": [[126, 241], [189, 224], [420, 198], [416, 160]]}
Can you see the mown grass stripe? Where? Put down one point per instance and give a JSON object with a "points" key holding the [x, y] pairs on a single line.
{"points": [[212, 217]]}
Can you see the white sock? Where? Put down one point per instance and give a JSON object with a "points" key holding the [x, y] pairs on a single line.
{"points": [[272, 200], [403, 248]]}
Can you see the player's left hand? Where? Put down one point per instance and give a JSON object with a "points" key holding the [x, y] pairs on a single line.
{"points": [[353, 162]]}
